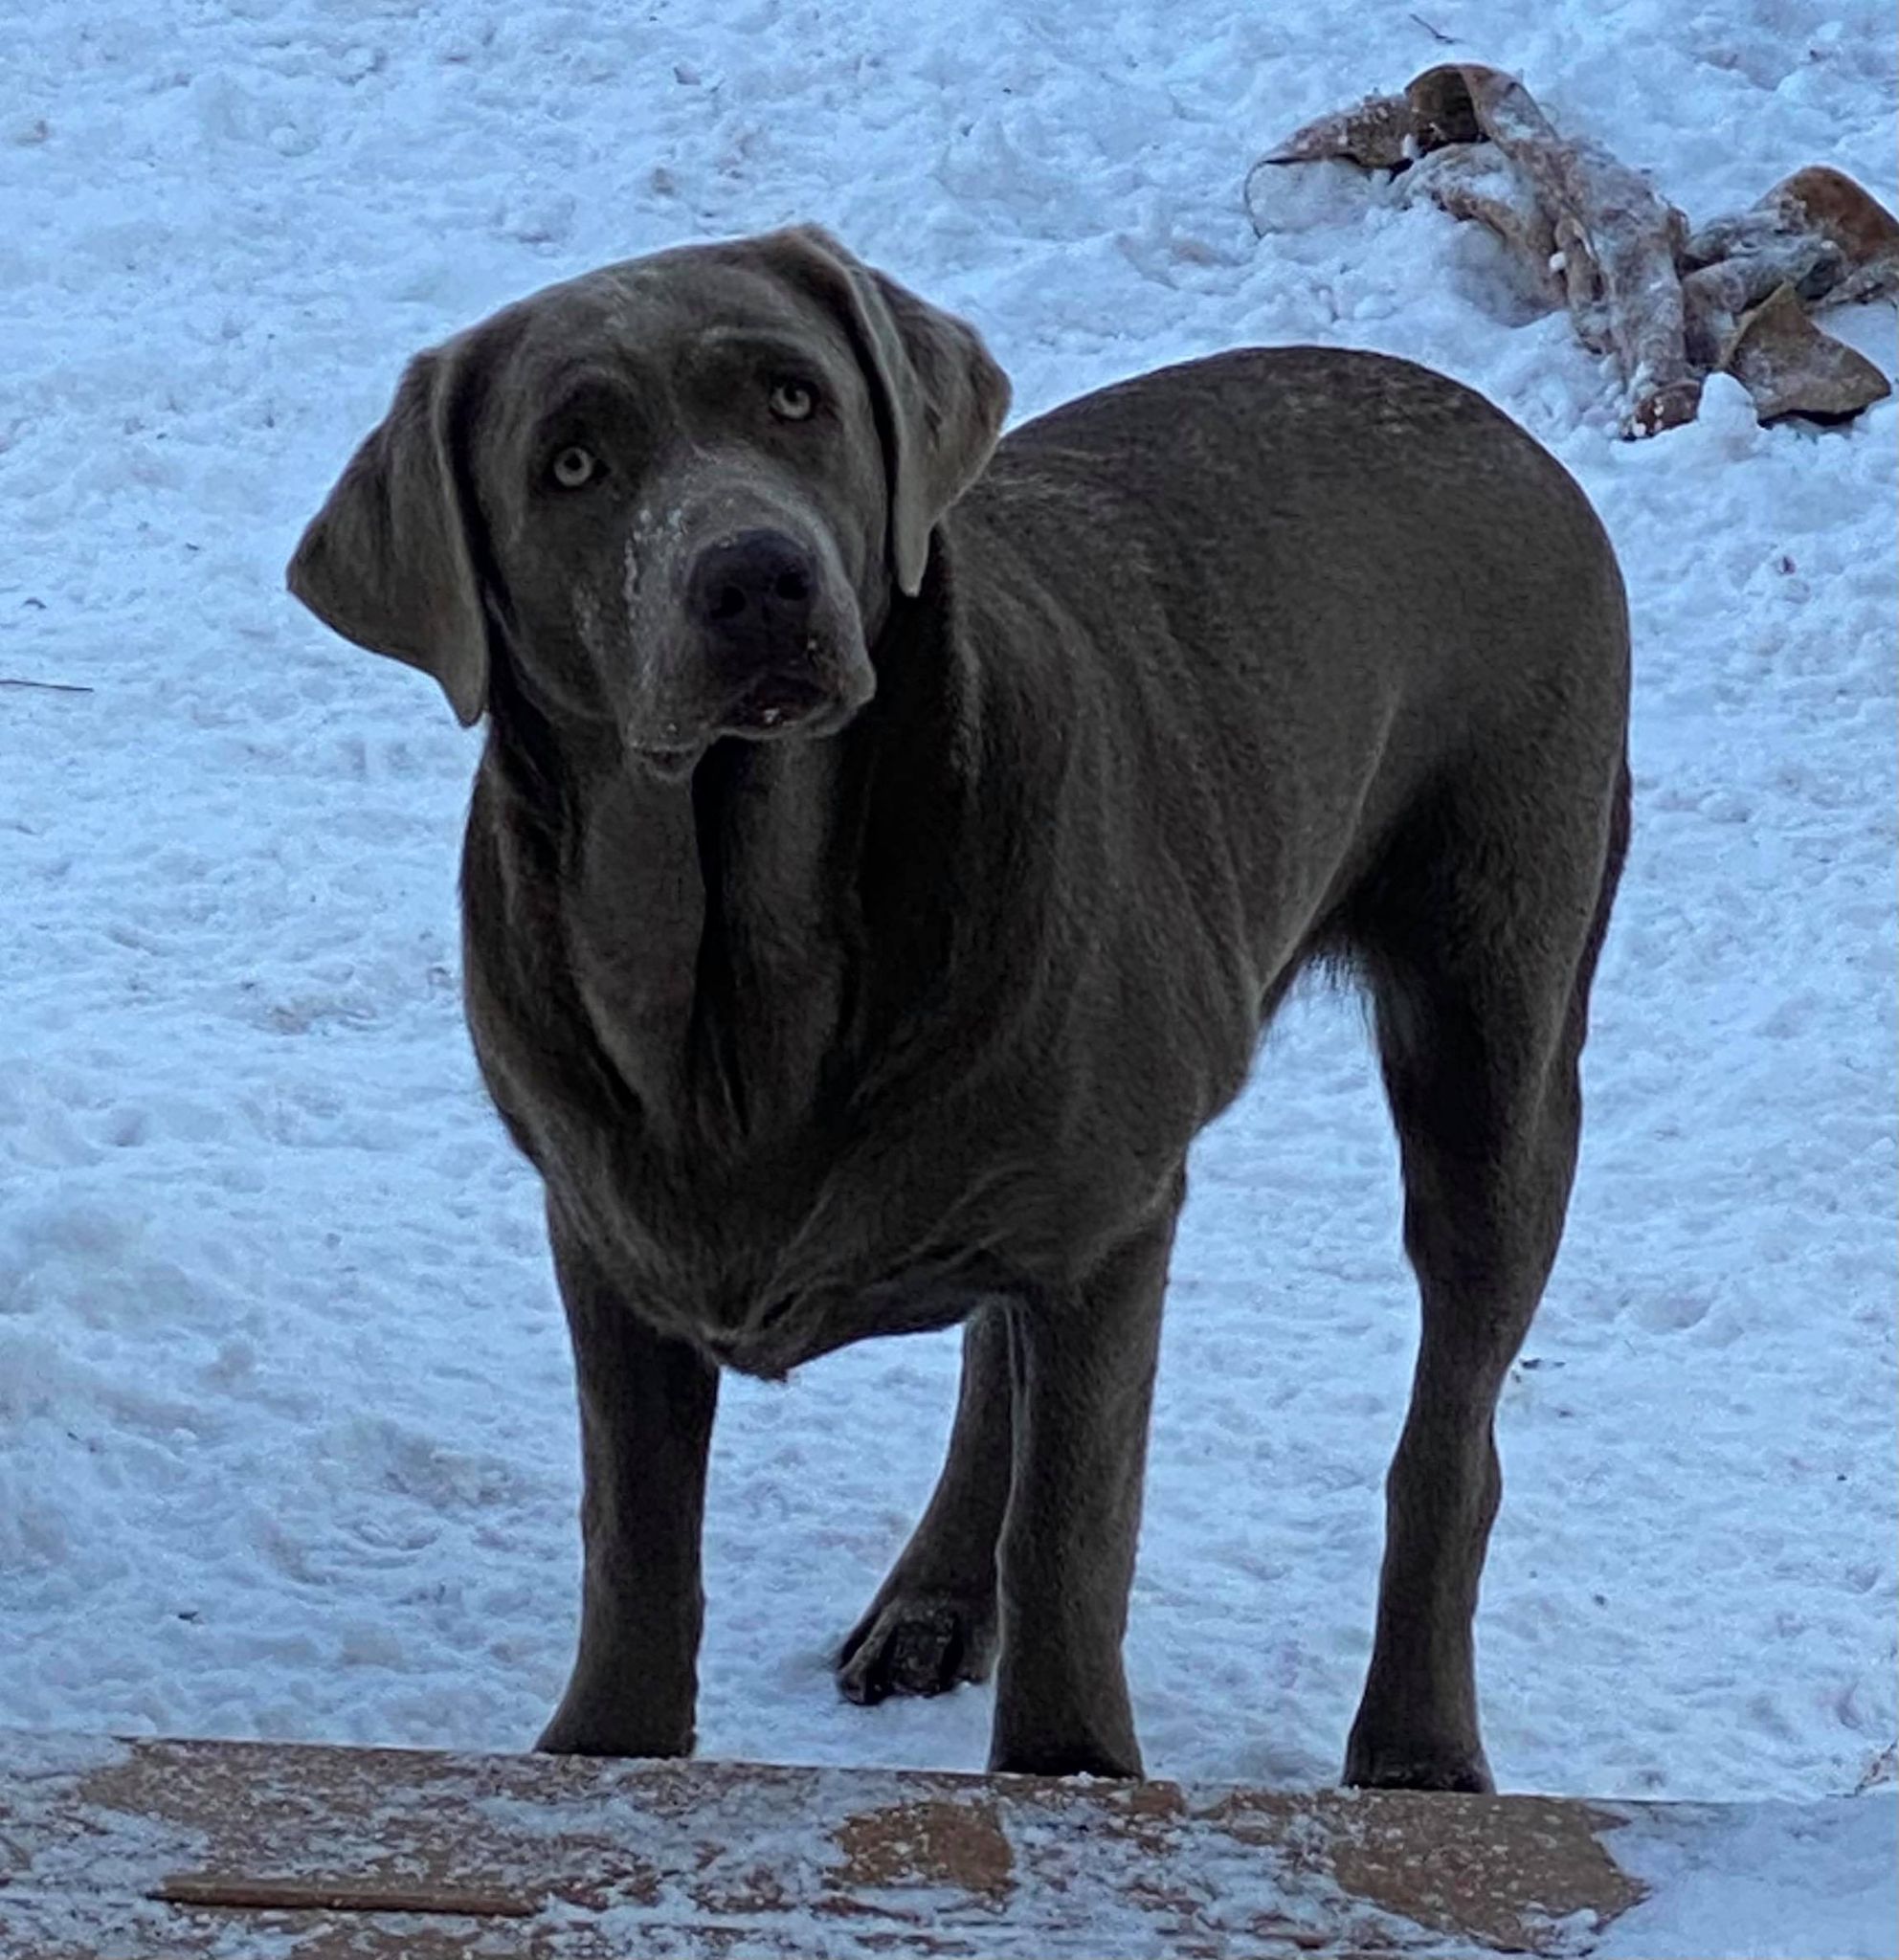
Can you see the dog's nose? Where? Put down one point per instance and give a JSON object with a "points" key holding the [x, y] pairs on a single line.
{"points": [[753, 591]]}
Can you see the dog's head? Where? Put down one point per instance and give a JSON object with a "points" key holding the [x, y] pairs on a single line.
{"points": [[683, 489]]}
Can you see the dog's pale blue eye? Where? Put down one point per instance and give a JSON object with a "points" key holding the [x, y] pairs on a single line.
{"points": [[792, 401], [574, 467]]}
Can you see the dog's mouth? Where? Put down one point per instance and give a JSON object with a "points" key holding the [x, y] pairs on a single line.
{"points": [[776, 704], [775, 707]]}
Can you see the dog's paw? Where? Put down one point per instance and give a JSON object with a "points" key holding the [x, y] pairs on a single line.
{"points": [[916, 1643], [1418, 1769], [583, 1732], [1082, 1759]]}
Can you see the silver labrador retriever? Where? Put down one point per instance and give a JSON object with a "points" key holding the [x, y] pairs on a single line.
{"points": [[885, 853]]}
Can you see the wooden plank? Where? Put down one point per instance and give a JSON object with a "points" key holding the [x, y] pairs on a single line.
{"points": [[158, 1850]]}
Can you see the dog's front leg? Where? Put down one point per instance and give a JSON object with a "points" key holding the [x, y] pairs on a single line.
{"points": [[1083, 1372], [646, 1406]]}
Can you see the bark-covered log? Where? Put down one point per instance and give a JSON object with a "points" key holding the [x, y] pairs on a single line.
{"points": [[1791, 367], [1375, 132]]}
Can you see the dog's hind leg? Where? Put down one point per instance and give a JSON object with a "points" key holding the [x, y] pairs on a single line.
{"points": [[1480, 948], [932, 1623]]}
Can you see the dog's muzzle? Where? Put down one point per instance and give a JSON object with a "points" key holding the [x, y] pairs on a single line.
{"points": [[753, 601], [763, 654]]}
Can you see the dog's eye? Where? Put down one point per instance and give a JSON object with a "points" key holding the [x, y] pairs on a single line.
{"points": [[575, 468], [792, 401]]}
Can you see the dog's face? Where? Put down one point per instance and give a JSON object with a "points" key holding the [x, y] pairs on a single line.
{"points": [[684, 490], [688, 519]]}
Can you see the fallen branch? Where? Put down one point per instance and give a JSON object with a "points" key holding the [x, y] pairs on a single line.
{"points": [[1670, 305], [45, 686]]}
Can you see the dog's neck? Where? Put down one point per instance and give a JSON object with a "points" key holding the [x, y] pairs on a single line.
{"points": [[748, 930], [741, 943]]}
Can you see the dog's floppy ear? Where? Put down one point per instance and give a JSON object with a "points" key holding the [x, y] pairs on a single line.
{"points": [[940, 397], [385, 562]]}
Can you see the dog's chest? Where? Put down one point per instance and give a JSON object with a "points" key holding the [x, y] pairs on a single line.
{"points": [[711, 972], [707, 1156]]}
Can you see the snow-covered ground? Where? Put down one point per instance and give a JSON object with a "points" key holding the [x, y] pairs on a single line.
{"points": [[286, 1434]]}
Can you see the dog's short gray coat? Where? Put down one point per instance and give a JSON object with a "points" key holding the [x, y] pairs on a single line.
{"points": [[886, 851]]}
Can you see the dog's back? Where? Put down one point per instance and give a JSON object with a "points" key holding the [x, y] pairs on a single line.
{"points": [[1275, 603], [1310, 528]]}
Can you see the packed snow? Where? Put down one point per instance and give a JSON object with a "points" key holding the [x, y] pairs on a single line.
{"points": [[287, 1442], [1781, 1881]]}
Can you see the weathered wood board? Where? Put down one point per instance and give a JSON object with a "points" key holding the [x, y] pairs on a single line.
{"points": [[157, 1850]]}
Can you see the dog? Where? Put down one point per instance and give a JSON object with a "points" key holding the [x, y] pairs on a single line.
{"points": [[889, 845]]}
